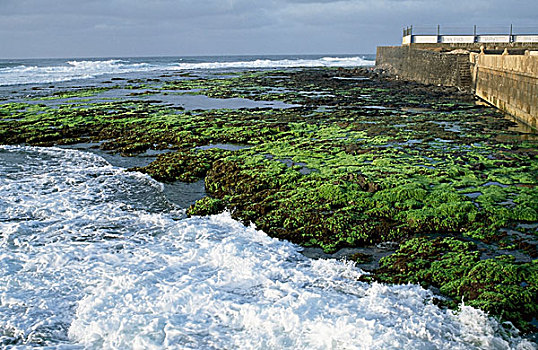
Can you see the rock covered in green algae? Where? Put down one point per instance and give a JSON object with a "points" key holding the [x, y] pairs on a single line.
{"points": [[206, 206], [185, 166], [360, 161], [499, 286]]}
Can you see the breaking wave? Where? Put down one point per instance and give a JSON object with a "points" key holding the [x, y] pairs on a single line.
{"points": [[71, 70], [286, 63], [86, 69], [93, 257]]}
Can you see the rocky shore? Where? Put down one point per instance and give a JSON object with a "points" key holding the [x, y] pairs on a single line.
{"points": [[415, 183]]}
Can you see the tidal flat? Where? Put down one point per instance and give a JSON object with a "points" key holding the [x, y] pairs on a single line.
{"points": [[331, 159]]}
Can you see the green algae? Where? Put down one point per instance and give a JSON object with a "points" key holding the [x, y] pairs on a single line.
{"points": [[206, 206], [84, 92], [499, 286], [184, 166], [340, 176]]}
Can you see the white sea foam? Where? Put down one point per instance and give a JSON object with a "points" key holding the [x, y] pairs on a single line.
{"points": [[85, 69], [71, 70], [94, 257], [286, 63]]}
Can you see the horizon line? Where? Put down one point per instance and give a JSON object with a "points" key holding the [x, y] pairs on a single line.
{"points": [[171, 56]]}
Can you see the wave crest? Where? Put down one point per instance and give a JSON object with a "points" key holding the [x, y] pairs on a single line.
{"points": [[84, 69]]}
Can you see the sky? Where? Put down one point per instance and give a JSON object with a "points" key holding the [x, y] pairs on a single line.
{"points": [[115, 28]]}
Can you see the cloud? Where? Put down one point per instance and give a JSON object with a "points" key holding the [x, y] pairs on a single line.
{"points": [[152, 27]]}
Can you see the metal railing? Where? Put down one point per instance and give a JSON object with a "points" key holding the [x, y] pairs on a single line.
{"points": [[474, 30], [438, 34]]}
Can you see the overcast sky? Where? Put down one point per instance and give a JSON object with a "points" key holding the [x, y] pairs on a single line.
{"points": [[104, 28]]}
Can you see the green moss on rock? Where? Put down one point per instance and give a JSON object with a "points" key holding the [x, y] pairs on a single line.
{"points": [[206, 206], [500, 286]]}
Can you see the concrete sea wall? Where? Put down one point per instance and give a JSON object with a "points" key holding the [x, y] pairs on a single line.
{"points": [[424, 66], [508, 82]]}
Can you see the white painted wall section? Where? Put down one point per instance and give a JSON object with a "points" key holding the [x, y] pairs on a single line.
{"points": [[493, 38], [457, 38], [424, 39]]}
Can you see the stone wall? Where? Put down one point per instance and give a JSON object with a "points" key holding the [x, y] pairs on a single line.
{"points": [[427, 67], [508, 82]]}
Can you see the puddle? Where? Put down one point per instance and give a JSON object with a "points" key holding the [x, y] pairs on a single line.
{"points": [[416, 110], [153, 152], [528, 226], [472, 195], [443, 140], [522, 127], [351, 78], [223, 146], [99, 97], [449, 126], [425, 166], [495, 183], [411, 142], [515, 236], [431, 160], [322, 109], [202, 102], [399, 145], [376, 252], [508, 203], [278, 77], [187, 99], [290, 163], [519, 257], [180, 92], [277, 90], [373, 107], [306, 171], [315, 94]]}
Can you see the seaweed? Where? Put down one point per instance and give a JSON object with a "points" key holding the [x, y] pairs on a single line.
{"points": [[500, 286], [354, 162]]}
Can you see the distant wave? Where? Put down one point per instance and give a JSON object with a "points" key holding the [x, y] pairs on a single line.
{"points": [[285, 63], [85, 69], [70, 71]]}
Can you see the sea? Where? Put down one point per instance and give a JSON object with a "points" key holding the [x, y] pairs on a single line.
{"points": [[96, 257]]}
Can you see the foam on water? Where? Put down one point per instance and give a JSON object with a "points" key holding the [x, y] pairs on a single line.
{"points": [[73, 70], [285, 63], [95, 257]]}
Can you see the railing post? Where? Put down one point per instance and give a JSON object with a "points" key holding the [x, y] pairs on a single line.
{"points": [[475, 39], [438, 33], [510, 38]]}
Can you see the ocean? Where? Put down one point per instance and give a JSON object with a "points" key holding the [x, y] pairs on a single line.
{"points": [[95, 257], [36, 71]]}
